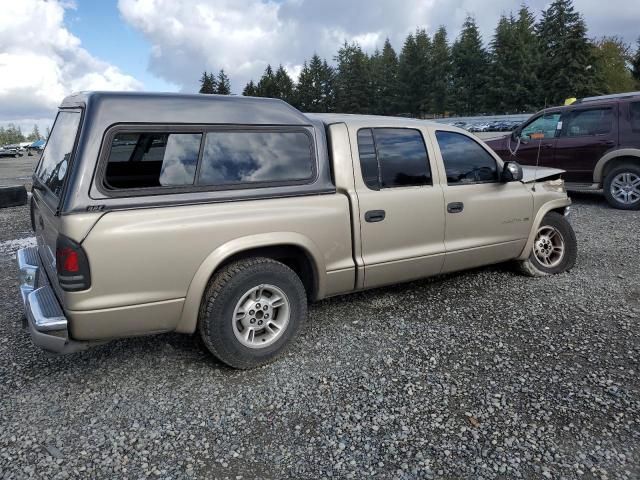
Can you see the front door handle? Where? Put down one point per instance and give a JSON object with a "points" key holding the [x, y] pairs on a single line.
{"points": [[610, 143], [455, 207], [373, 216]]}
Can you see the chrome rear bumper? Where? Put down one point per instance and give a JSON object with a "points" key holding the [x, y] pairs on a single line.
{"points": [[46, 321]]}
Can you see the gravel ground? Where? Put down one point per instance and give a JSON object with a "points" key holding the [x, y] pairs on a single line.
{"points": [[483, 374]]}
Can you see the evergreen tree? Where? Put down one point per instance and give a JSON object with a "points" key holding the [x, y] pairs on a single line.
{"points": [[353, 88], [304, 90], [250, 90], [470, 70], [223, 85], [613, 56], [384, 68], [567, 69], [440, 72], [315, 91], [424, 74], [267, 84], [34, 135], [635, 65], [529, 59], [409, 67], [284, 85], [207, 83]]}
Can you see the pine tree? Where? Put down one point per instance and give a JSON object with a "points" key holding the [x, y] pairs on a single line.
{"points": [[284, 84], [303, 93], [423, 72], [34, 135], [267, 84], [440, 72], [409, 77], [250, 90], [470, 70], [353, 87], [207, 83], [567, 69], [529, 58], [223, 85], [384, 66]]}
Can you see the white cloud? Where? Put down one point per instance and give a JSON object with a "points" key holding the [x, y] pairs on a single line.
{"points": [[41, 62], [242, 36]]}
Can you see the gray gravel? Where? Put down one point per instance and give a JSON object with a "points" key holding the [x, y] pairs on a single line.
{"points": [[483, 374]]}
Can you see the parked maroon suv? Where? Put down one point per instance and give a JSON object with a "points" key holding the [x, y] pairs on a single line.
{"points": [[596, 140]]}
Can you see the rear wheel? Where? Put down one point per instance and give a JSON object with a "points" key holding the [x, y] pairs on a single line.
{"points": [[622, 187], [252, 311], [555, 248]]}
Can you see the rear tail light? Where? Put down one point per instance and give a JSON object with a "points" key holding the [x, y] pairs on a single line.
{"points": [[72, 265]]}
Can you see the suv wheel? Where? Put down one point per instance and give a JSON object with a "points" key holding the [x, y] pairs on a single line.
{"points": [[251, 312], [555, 248], [622, 187]]}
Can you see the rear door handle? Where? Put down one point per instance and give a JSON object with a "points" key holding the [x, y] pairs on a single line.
{"points": [[373, 216], [607, 142], [455, 207]]}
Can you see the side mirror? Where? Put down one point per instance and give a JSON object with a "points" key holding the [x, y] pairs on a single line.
{"points": [[511, 172]]}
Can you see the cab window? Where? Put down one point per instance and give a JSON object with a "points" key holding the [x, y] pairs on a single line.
{"points": [[542, 127], [465, 160]]}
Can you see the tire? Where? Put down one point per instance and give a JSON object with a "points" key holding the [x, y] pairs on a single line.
{"points": [[545, 259], [234, 291], [622, 187]]}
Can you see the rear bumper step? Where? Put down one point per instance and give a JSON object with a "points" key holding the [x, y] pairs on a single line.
{"points": [[46, 321]]}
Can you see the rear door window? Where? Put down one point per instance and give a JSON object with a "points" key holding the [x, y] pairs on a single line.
{"points": [[54, 165], [393, 157], [152, 159], [594, 121]]}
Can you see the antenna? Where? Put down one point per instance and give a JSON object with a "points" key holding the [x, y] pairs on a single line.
{"points": [[540, 137]]}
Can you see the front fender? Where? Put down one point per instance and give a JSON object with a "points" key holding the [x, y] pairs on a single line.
{"points": [[542, 211], [190, 311]]}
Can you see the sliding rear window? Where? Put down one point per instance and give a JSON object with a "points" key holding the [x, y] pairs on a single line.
{"points": [[207, 160], [54, 165]]}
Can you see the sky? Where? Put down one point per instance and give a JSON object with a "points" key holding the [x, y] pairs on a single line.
{"points": [[50, 48]]}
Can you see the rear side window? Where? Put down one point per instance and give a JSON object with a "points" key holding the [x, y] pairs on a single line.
{"points": [[149, 159], [465, 160], [393, 157], [237, 157], [634, 110], [596, 121], [54, 165]]}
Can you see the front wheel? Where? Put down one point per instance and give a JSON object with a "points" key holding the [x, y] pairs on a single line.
{"points": [[555, 248], [622, 187], [252, 311]]}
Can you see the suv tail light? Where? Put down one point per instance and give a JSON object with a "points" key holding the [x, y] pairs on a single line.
{"points": [[72, 265]]}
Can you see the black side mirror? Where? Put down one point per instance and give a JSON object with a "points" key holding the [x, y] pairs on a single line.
{"points": [[511, 172]]}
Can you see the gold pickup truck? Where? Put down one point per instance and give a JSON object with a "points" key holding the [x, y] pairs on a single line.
{"points": [[226, 215]]}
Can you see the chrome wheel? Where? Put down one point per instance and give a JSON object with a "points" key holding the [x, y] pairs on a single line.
{"points": [[625, 188], [549, 246], [261, 316]]}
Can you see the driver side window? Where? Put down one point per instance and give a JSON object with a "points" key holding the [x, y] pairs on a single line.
{"points": [[546, 125], [465, 160]]}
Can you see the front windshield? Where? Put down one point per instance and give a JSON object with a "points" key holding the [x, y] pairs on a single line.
{"points": [[54, 164]]}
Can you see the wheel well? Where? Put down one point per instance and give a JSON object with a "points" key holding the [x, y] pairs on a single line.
{"points": [[616, 162], [293, 256]]}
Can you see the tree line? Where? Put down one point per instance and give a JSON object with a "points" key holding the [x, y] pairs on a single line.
{"points": [[12, 134], [526, 65]]}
